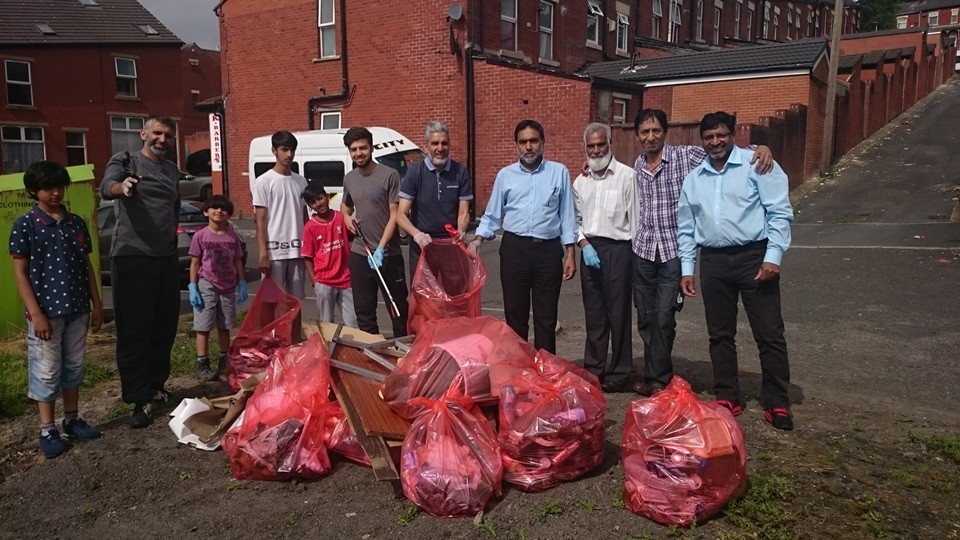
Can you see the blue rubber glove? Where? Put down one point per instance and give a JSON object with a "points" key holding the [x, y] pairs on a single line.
{"points": [[241, 291], [195, 299], [376, 260], [590, 257]]}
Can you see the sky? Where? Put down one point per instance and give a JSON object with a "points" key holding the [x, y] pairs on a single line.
{"points": [[190, 20]]}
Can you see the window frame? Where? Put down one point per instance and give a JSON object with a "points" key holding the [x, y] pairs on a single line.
{"points": [[675, 22], [548, 32], [954, 13], [83, 145], [511, 20], [750, 15], [737, 9], [623, 32], [933, 18], [698, 31], [21, 140], [325, 28], [595, 14], [28, 83], [126, 129], [765, 25], [331, 114], [124, 77], [717, 19], [615, 103]]}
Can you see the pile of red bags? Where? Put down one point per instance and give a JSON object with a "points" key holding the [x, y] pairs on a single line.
{"points": [[474, 355], [266, 328], [551, 424], [447, 283], [683, 459], [289, 421], [450, 460]]}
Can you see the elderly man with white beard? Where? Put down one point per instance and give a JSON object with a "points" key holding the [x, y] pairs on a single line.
{"points": [[605, 212]]}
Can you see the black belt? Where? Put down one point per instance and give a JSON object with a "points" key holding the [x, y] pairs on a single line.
{"points": [[530, 239], [758, 245]]}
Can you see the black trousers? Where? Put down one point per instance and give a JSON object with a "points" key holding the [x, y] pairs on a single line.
{"points": [[146, 307], [656, 293], [532, 268], [725, 274], [606, 311], [365, 285]]}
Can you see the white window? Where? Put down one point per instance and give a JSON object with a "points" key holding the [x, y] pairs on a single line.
{"points": [[330, 120], [657, 19], [594, 18], [619, 110], [76, 148], [736, 20], [19, 84], [545, 22], [901, 22], [953, 15], [934, 18], [508, 25], [776, 23], [125, 133], [789, 23], [22, 147], [765, 28], [699, 28], [750, 24], [673, 30], [328, 32], [796, 23], [717, 17], [623, 32], [816, 24], [126, 76]]}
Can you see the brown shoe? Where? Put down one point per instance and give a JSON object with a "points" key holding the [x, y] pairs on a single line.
{"points": [[641, 388]]}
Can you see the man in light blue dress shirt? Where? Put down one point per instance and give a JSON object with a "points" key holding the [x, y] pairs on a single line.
{"points": [[740, 220], [532, 202]]}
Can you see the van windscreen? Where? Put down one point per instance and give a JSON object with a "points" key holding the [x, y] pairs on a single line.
{"points": [[264, 166], [401, 161], [330, 173]]}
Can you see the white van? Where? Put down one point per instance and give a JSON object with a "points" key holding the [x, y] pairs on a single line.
{"points": [[321, 156]]}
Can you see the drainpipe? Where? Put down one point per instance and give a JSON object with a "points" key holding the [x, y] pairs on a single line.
{"points": [[470, 95], [344, 93]]}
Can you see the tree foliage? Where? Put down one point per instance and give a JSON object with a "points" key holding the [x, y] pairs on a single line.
{"points": [[878, 15]]}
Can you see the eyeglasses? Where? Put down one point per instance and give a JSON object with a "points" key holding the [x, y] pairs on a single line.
{"points": [[715, 137]]}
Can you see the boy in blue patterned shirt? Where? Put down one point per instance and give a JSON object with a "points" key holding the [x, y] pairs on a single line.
{"points": [[51, 262]]}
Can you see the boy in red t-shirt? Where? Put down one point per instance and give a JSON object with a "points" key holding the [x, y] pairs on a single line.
{"points": [[326, 253]]}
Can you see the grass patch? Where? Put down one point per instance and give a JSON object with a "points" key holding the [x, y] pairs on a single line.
{"points": [[13, 384], [589, 506], [873, 517], [760, 514], [949, 446], [551, 508], [409, 515], [488, 527], [95, 374]]}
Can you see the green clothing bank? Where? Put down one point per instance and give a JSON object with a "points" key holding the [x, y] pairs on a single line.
{"points": [[14, 202]]}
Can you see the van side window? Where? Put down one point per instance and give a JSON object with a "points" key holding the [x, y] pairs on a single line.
{"points": [[330, 173], [263, 166]]}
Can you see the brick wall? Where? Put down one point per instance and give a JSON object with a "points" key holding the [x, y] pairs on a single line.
{"points": [[201, 73], [748, 99]]}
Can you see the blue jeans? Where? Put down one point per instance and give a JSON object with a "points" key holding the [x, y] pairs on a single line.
{"points": [[57, 362]]}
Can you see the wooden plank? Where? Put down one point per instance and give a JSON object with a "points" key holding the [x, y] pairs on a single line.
{"points": [[376, 417], [376, 449]]}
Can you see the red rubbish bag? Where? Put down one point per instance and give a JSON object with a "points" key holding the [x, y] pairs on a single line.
{"points": [[683, 459], [341, 439], [447, 283], [285, 420], [551, 426], [266, 328], [474, 354], [450, 460]]}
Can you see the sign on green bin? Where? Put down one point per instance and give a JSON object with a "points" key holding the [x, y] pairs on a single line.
{"points": [[14, 202]]}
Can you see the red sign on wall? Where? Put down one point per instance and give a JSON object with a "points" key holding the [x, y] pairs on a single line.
{"points": [[216, 144]]}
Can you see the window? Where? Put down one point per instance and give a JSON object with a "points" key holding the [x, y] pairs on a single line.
{"points": [[816, 24], [594, 14], [749, 24], [953, 15], [76, 148], [22, 147], [796, 23], [623, 32], [328, 35], [776, 23], [330, 120], [19, 87], [657, 19], [765, 28], [673, 30], [125, 133], [329, 172], [901, 22], [717, 17], [789, 23], [699, 28], [508, 25], [933, 19], [148, 30], [619, 110], [736, 20], [545, 22], [126, 77]]}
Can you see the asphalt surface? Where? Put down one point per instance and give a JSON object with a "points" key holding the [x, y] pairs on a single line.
{"points": [[871, 285]]}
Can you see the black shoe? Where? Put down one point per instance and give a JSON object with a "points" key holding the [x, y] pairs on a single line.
{"points": [[641, 388], [141, 416], [161, 395], [204, 373], [612, 387], [779, 417]]}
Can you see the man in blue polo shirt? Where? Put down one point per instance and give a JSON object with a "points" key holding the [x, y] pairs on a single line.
{"points": [[532, 201], [434, 193]]}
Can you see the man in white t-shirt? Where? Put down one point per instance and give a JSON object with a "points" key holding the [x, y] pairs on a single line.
{"points": [[280, 214]]}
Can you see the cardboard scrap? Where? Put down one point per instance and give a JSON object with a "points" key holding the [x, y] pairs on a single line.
{"points": [[200, 423]]}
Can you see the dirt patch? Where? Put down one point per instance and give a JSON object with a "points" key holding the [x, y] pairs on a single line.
{"points": [[843, 473]]}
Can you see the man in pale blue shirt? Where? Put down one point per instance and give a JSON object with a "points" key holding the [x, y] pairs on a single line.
{"points": [[533, 204], [740, 220]]}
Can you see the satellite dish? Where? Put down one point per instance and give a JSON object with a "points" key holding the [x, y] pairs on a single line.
{"points": [[455, 12]]}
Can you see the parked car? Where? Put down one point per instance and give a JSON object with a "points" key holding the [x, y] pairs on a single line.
{"points": [[194, 188], [191, 220]]}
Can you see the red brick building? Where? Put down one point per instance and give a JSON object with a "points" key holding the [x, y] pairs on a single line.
{"points": [[930, 13], [81, 76]]}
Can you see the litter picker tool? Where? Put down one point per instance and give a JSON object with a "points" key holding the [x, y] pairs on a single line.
{"points": [[394, 311]]}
